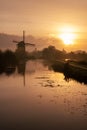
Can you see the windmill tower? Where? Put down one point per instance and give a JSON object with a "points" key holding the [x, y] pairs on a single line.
{"points": [[22, 44]]}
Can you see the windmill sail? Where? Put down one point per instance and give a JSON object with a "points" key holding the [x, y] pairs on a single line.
{"points": [[15, 41], [22, 44], [30, 44]]}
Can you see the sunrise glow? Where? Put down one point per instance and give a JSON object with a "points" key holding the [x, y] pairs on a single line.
{"points": [[67, 38], [67, 35]]}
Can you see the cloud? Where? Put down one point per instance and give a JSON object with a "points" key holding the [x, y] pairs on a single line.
{"points": [[6, 41]]}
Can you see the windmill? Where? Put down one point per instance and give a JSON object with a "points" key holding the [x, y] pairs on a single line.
{"points": [[21, 44]]}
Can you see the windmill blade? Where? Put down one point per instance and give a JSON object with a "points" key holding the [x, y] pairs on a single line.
{"points": [[29, 44], [15, 41]]}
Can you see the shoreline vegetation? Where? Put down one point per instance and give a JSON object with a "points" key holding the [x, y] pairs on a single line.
{"points": [[71, 70], [73, 65]]}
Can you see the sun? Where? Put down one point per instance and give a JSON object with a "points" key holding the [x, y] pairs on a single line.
{"points": [[67, 35], [67, 38]]}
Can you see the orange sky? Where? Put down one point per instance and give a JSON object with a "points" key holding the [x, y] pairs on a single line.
{"points": [[43, 17]]}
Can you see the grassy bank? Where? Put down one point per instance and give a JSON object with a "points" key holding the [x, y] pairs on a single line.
{"points": [[71, 70]]}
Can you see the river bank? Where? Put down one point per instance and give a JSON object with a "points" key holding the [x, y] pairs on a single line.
{"points": [[71, 70]]}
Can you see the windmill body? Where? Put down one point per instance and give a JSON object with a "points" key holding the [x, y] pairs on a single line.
{"points": [[21, 46]]}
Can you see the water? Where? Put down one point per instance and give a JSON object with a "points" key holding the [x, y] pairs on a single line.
{"points": [[39, 98]]}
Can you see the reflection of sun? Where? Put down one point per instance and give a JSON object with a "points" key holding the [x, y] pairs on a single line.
{"points": [[67, 35]]}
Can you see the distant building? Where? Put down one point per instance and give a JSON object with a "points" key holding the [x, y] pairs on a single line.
{"points": [[20, 51]]}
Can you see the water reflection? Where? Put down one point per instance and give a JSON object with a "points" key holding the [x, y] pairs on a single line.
{"points": [[21, 67], [9, 63], [11, 67], [47, 102]]}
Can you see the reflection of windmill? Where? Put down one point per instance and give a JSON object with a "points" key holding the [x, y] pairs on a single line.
{"points": [[21, 44], [21, 67]]}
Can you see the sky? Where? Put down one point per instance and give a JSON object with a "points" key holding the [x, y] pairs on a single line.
{"points": [[43, 17]]}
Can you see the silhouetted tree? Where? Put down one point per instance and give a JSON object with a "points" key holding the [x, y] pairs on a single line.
{"points": [[9, 58], [51, 53]]}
